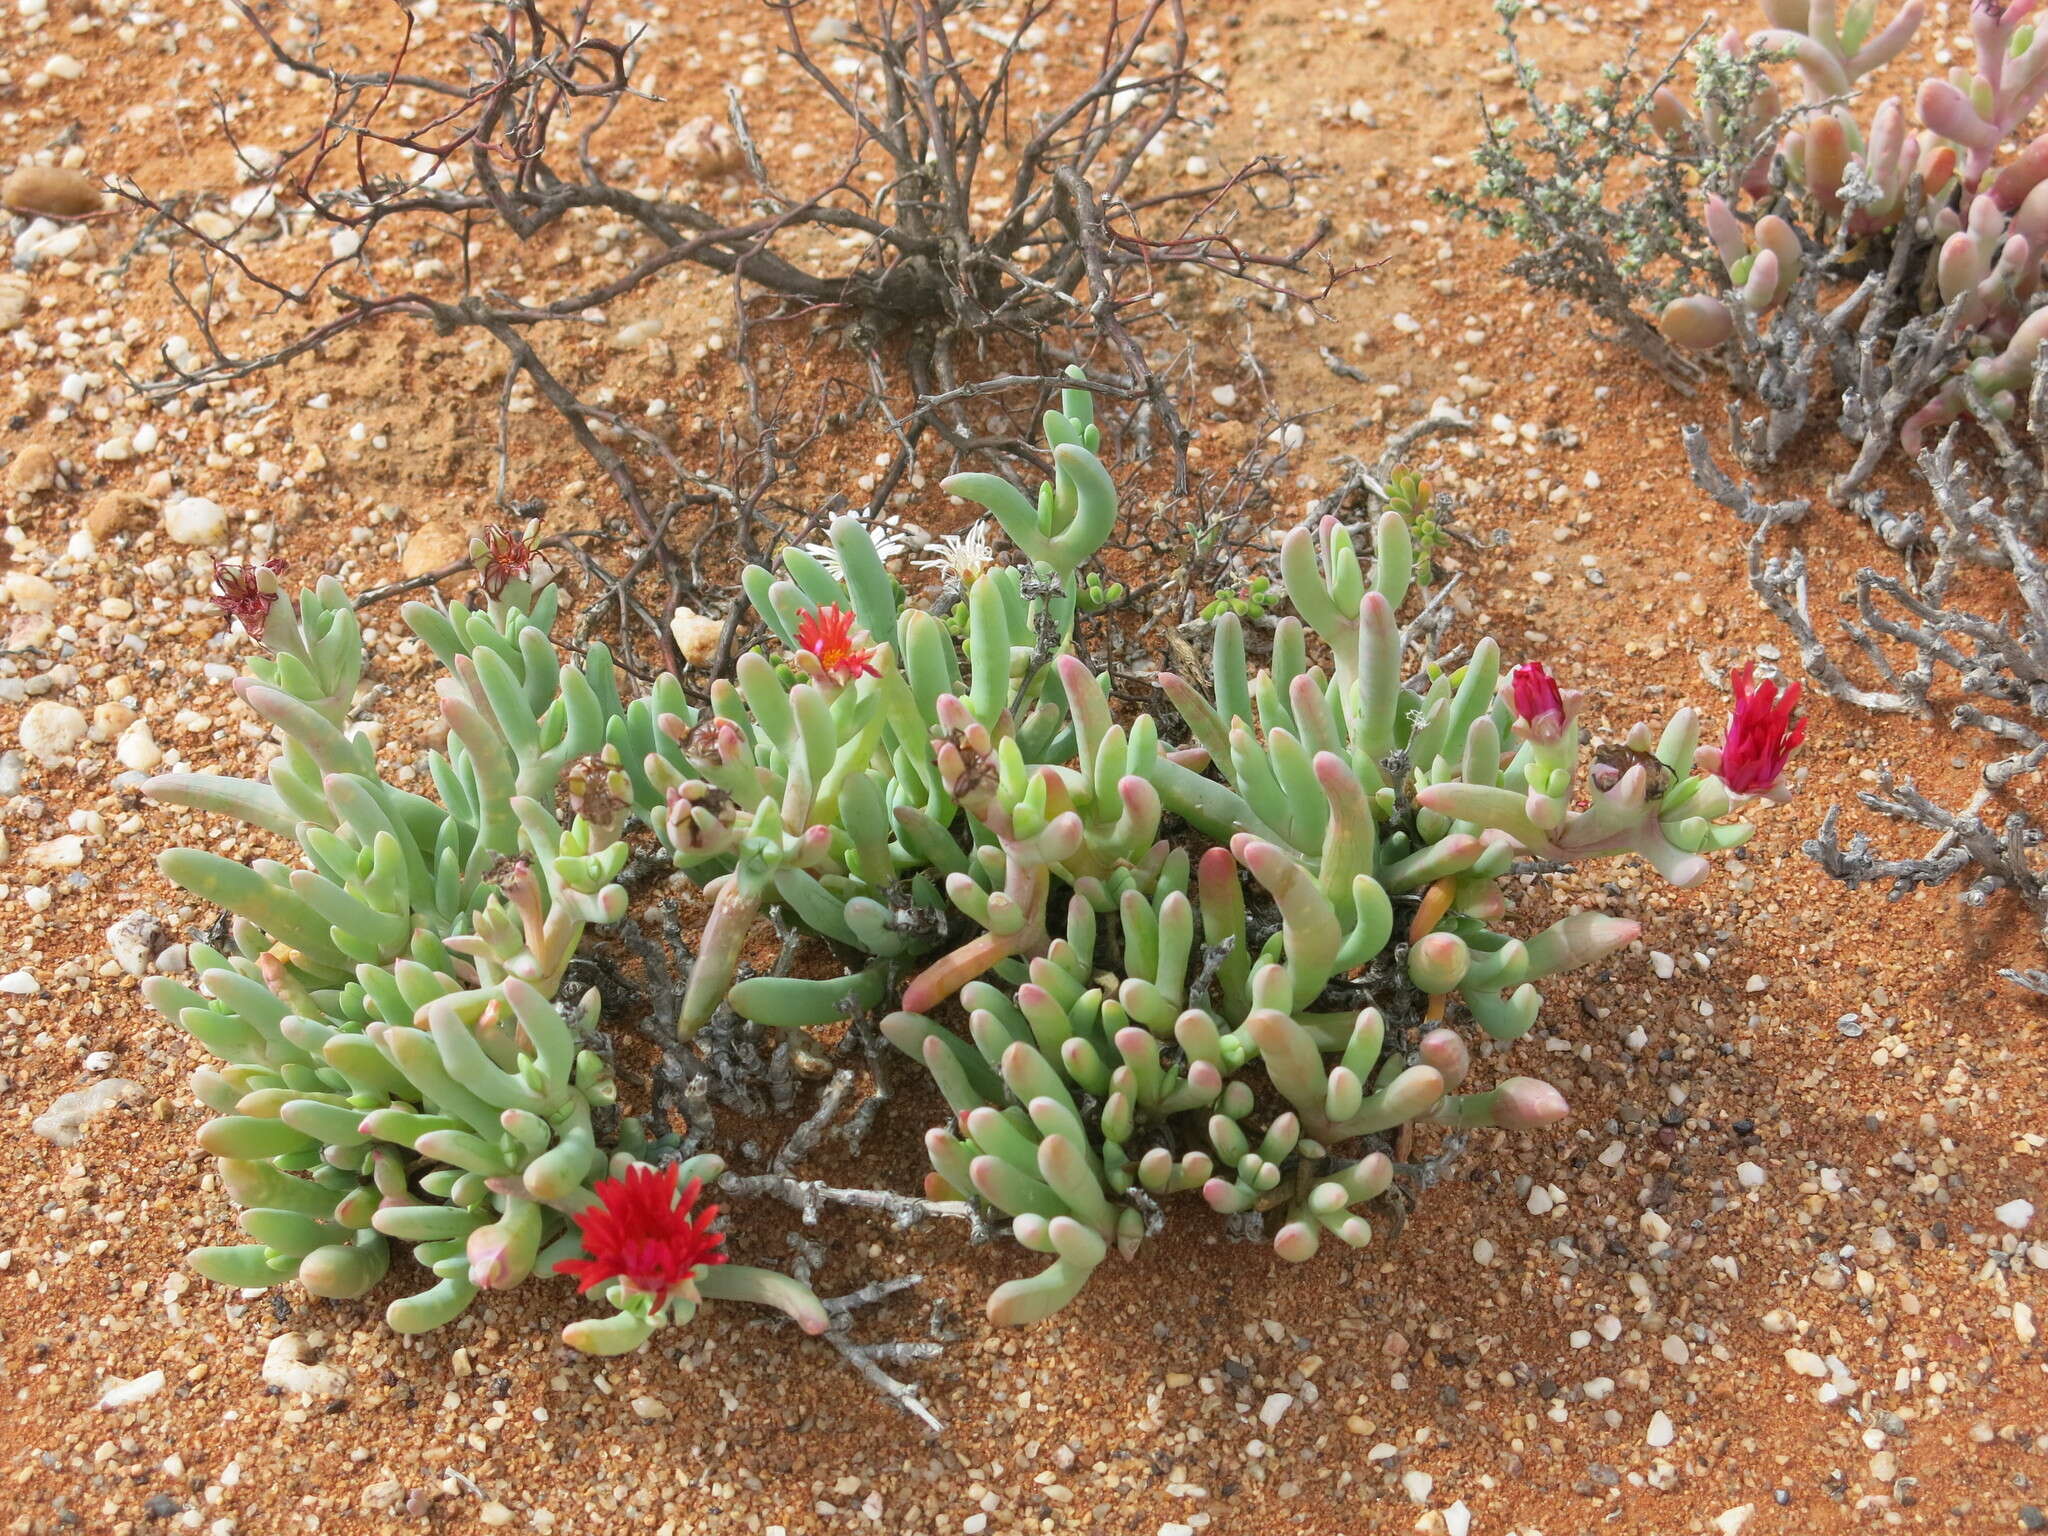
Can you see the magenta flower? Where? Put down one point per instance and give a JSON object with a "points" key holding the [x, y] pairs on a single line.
{"points": [[1762, 735], [1538, 702], [644, 1231]]}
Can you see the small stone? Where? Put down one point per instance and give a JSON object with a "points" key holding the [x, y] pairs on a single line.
{"points": [[196, 521], [1418, 1485], [650, 1408], [50, 731], [64, 1122], [1749, 1175], [1274, 1408], [1884, 1466], [1540, 1203], [50, 192], [1733, 1522], [63, 66], [67, 852], [117, 512], [494, 1514], [33, 471], [1806, 1363], [14, 294], [697, 636], [126, 1394], [1674, 1349], [1662, 1432], [284, 1367], [29, 593], [133, 940], [2032, 1519], [2023, 1322], [2015, 1214], [1224, 395], [137, 749], [705, 146], [433, 547], [1458, 1520], [110, 719]]}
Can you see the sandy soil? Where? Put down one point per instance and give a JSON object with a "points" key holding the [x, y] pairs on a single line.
{"points": [[1795, 1108]]}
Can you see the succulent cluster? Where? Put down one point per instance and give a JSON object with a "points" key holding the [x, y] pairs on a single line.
{"points": [[1256, 1008], [1973, 232], [394, 1067], [1232, 965]]}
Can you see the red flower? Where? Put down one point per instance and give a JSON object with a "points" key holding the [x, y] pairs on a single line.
{"points": [[1537, 699], [238, 592], [641, 1232], [1762, 733], [828, 635], [507, 557]]}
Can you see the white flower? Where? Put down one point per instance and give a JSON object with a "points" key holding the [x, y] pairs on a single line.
{"points": [[961, 555], [884, 532]]}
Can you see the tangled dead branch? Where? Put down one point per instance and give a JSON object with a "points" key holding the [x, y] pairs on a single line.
{"points": [[986, 232], [1997, 663]]}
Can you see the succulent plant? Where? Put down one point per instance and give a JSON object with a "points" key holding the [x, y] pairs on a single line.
{"points": [[394, 1067], [1973, 233], [1139, 1052], [834, 784], [1225, 966]]}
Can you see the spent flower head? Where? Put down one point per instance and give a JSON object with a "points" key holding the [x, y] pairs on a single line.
{"points": [[242, 593], [505, 555], [641, 1231]]}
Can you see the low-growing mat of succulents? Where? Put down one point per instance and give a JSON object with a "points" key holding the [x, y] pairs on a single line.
{"points": [[1229, 951]]}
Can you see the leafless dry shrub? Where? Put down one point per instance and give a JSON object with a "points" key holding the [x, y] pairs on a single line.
{"points": [[1909, 641], [1606, 197], [974, 235]]}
